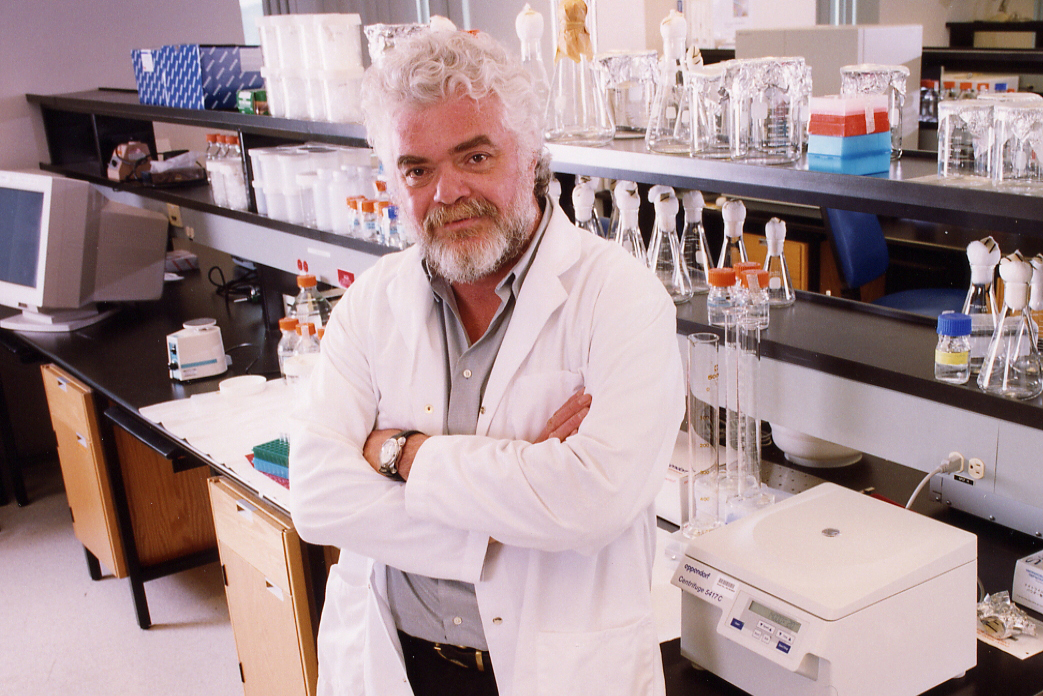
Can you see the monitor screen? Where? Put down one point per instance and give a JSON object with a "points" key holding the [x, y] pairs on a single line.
{"points": [[20, 228]]}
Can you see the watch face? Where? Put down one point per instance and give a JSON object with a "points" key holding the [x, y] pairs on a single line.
{"points": [[389, 452]]}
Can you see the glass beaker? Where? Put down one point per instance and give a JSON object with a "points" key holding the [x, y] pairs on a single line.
{"points": [[628, 79], [703, 502], [670, 122], [870, 78], [694, 248], [734, 248], [576, 110], [770, 91], [965, 134], [1012, 366], [780, 286], [381, 38], [664, 248], [713, 136], [1016, 160], [980, 303]]}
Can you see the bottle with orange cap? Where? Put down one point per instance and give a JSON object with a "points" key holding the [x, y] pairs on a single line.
{"points": [[288, 342], [310, 306]]}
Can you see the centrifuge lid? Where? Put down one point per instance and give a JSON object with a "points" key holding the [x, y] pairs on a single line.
{"points": [[832, 551]]}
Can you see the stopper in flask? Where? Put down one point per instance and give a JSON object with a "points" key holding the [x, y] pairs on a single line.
{"points": [[528, 25]]}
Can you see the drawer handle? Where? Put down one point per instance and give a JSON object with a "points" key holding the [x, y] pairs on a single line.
{"points": [[245, 510], [81, 440], [274, 589]]}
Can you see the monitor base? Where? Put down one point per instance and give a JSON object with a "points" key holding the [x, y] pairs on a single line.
{"points": [[57, 321]]}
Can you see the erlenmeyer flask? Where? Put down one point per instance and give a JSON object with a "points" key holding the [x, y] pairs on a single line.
{"points": [[780, 287], [583, 205], [693, 241], [1036, 295], [1012, 366], [669, 123], [576, 110], [529, 27], [734, 249], [980, 303], [628, 234], [664, 248]]}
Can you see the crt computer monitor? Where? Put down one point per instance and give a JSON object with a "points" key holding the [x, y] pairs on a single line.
{"points": [[64, 248]]}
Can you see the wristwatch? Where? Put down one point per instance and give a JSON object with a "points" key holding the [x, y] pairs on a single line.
{"points": [[391, 453]]}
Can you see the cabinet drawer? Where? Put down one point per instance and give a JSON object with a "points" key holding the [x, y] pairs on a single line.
{"points": [[256, 534], [69, 401]]}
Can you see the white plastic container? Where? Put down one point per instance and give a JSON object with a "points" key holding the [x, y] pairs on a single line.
{"points": [[290, 162], [341, 92], [321, 199], [276, 201], [340, 41], [289, 35], [339, 190], [260, 198], [275, 87], [296, 89], [306, 193], [308, 25], [269, 35], [315, 97]]}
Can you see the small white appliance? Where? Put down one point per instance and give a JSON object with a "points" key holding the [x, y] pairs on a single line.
{"points": [[831, 593], [196, 351]]}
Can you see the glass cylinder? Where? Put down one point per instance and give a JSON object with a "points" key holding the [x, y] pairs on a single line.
{"points": [[628, 79], [576, 111], [771, 93], [1016, 160], [964, 138], [703, 501], [869, 78]]}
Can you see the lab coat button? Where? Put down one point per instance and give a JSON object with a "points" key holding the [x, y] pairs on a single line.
{"points": [[429, 408], [467, 374], [497, 621], [458, 621], [481, 410]]}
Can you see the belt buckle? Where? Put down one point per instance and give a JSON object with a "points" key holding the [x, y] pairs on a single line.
{"points": [[479, 662]]}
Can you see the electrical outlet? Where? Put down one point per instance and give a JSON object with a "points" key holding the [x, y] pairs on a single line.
{"points": [[174, 215], [976, 468]]}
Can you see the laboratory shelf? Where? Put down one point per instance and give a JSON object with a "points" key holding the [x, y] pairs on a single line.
{"points": [[910, 190]]}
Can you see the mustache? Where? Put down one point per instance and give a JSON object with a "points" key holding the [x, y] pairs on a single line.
{"points": [[459, 211]]}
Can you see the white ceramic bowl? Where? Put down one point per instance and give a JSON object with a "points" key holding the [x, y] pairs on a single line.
{"points": [[810, 451]]}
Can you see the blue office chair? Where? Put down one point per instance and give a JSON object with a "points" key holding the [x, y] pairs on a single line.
{"points": [[861, 254]]}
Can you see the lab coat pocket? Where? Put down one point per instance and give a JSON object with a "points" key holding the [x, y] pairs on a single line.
{"points": [[620, 661], [534, 397]]}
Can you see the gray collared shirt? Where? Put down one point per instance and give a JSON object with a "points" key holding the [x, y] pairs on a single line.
{"points": [[434, 609]]}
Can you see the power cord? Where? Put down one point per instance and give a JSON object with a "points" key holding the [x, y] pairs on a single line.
{"points": [[245, 287], [953, 463]]}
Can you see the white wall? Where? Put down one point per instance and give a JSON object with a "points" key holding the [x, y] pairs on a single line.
{"points": [[60, 46]]}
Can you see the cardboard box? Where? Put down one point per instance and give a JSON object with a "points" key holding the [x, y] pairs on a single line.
{"points": [[1028, 582], [209, 77], [148, 74]]}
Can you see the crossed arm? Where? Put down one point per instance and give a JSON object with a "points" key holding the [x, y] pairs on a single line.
{"points": [[565, 422]]}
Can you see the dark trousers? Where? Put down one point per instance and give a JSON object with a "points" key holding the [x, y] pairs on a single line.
{"points": [[432, 675]]}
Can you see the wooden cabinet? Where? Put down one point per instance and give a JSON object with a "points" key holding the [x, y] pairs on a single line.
{"points": [[268, 600], [796, 254], [87, 484]]}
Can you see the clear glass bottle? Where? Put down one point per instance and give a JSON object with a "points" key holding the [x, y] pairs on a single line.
{"points": [[1012, 366], [755, 297], [693, 241], [391, 233], [369, 222], [299, 366], [212, 146], [780, 286], [288, 343], [980, 303], [583, 205], [628, 234], [576, 110], [952, 354], [719, 298], [310, 307], [529, 27], [669, 123], [734, 249], [664, 248]]}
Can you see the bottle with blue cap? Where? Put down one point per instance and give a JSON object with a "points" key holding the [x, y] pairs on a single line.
{"points": [[952, 355]]}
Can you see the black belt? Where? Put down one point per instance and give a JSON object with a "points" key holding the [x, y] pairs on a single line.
{"points": [[459, 655]]}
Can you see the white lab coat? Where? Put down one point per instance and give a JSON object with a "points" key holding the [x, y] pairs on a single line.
{"points": [[564, 591]]}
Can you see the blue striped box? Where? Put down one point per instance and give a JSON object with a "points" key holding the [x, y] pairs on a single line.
{"points": [[209, 77], [148, 74]]}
